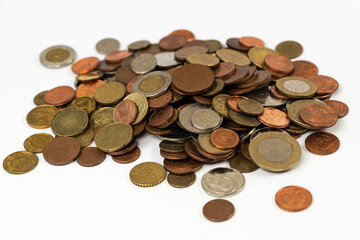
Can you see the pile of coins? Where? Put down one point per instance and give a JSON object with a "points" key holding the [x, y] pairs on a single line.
{"points": [[244, 104]]}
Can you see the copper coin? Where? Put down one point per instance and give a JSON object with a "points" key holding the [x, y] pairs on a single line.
{"points": [[203, 100], [182, 53], [88, 88], [61, 151], [224, 138], [193, 79], [318, 116], [239, 75], [160, 101], [276, 93], [186, 33], [174, 156], [235, 44], [304, 69], [275, 118], [251, 42], [293, 198], [108, 67], [245, 149], [218, 210], [129, 85], [224, 69], [90, 157], [161, 116], [233, 101], [322, 143], [199, 43], [339, 107], [191, 150], [85, 65], [172, 42], [126, 149], [118, 56], [125, 74], [59, 96], [278, 63], [158, 131], [126, 111], [127, 157], [182, 167], [139, 128], [324, 84]]}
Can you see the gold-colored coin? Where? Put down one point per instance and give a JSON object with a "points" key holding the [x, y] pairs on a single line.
{"points": [[181, 181], [147, 174], [250, 107], [39, 98], [203, 59], [258, 54], [243, 119], [37, 142], [102, 116], [289, 49], [242, 164], [142, 105], [219, 104], [114, 136], [235, 57], [86, 103], [215, 89], [205, 143], [86, 138], [296, 87], [20, 162], [69, 122], [176, 97], [110, 93], [152, 83], [40, 117], [89, 76]]}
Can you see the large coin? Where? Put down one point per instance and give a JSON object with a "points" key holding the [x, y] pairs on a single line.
{"points": [[113, 137], [40, 117], [147, 174], [57, 56], [20, 162], [152, 84], [69, 122], [296, 87]]}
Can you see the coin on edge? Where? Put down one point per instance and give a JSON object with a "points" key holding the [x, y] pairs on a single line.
{"points": [[20, 162], [147, 174], [181, 181]]}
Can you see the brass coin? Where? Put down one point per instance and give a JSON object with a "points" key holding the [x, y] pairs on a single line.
{"points": [[215, 89], [242, 164], [39, 98], [40, 117], [250, 107], [110, 93], [141, 103], [138, 45], [86, 138], [147, 174], [181, 181], [113, 136], [258, 54], [182, 53], [219, 104], [243, 119], [152, 84], [20, 162], [296, 87], [86, 103], [172, 147], [69, 122], [235, 57], [101, 117], [203, 59], [94, 75], [213, 45], [205, 143], [290, 49], [37, 142]]}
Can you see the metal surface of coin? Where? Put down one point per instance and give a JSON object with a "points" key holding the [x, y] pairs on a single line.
{"points": [[258, 54], [293, 198], [88, 88], [86, 103], [90, 157], [296, 87], [224, 138], [304, 69], [59, 96], [218, 210], [61, 151], [274, 118], [118, 56], [322, 143], [138, 45], [318, 116], [37, 142], [235, 57], [206, 119], [324, 84], [126, 111], [203, 59], [162, 116], [242, 164], [250, 107], [215, 89], [223, 182], [152, 84], [235, 44], [85, 65], [40, 117], [172, 42], [94, 75], [264, 97], [39, 98], [166, 60], [185, 117], [290, 49], [161, 101], [250, 42], [204, 140], [20, 162], [57, 56], [213, 45], [339, 107], [113, 137], [69, 122], [85, 139], [178, 135], [141, 103], [182, 167], [110, 93], [182, 53], [107, 45], [147, 174], [143, 63], [128, 157], [243, 119], [219, 104], [101, 117], [172, 147], [181, 181], [186, 33]]}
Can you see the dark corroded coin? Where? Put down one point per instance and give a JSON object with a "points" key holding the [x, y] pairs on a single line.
{"points": [[318, 116], [218, 210], [182, 167], [127, 157], [125, 74], [242, 164], [181, 181], [339, 107], [90, 157], [264, 97], [322, 143], [59, 96], [126, 111], [61, 151]]}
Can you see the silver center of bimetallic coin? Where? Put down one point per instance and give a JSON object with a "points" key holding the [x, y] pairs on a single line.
{"points": [[275, 150], [296, 86]]}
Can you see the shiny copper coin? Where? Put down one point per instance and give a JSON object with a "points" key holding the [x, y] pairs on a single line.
{"points": [[127, 157], [273, 117], [125, 74], [233, 101], [118, 56], [339, 107], [218, 210], [59, 96], [304, 69], [324, 84], [191, 150], [182, 167], [90, 157], [293, 198], [126, 111], [224, 69], [186, 33], [278, 63], [139, 128], [251, 42], [318, 116], [224, 138], [126, 149], [322, 143], [160, 101], [61, 151], [88, 88], [174, 155], [172, 42], [85, 65], [161, 116]]}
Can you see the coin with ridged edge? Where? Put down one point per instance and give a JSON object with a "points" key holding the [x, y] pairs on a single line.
{"points": [[37, 142], [20, 162], [69, 122], [110, 93], [296, 87], [114, 136], [40, 117], [181, 181], [147, 174]]}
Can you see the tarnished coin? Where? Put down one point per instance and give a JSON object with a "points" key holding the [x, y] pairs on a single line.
{"points": [[204, 141], [152, 84], [172, 147], [69, 122], [274, 118], [235, 44], [293, 198], [304, 69], [138, 45], [264, 97], [113, 137], [86, 103], [224, 138], [258, 54], [243, 119], [322, 143], [278, 63], [182, 53], [39, 98], [85, 65], [88, 88], [94, 75], [57, 56], [143, 63], [223, 182], [59, 96], [40, 117], [90, 157], [242, 164], [250, 107], [152, 49], [219, 104], [182, 167], [61, 151], [110, 93], [206, 119], [339, 107], [125, 75], [296, 87], [185, 117], [318, 116], [290, 49], [20, 162], [118, 56], [86, 138], [215, 89], [251, 42], [161, 101], [324, 84], [186, 33], [181, 181], [126, 111], [203, 59], [218, 210], [235, 57], [172, 42], [107, 45], [275, 151], [224, 69], [128, 157], [101, 117], [147, 174], [213, 45], [37, 142], [166, 60], [142, 105]]}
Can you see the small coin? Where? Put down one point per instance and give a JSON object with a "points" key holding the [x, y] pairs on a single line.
{"points": [[322, 143], [85, 103], [324, 84], [182, 167], [185, 117], [219, 104], [90, 157], [204, 141], [172, 42], [128, 157], [143, 63], [224, 69], [296, 87], [138, 45], [318, 116], [20, 162], [57, 56], [243, 119], [110, 93], [293, 198], [118, 56], [235, 44], [59, 96], [223, 182], [203, 59], [304, 69], [101, 117], [88, 88], [37, 142], [161, 101], [264, 97], [224, 138], [113, 137], [218, 210], [85, 65], [86, 138], [147, 174], [161, 116], [278, 63], [206, 119], [39, 98], [186, 33], [107, 45], [69, 122], [242, 164], [172, 147], [290, 49], [257, 55], [274, 118], [339, 107], [213, 45], [250, 107], [166, 60], [126, 111], [181, 181], [152, 84], [125, 75], [61, 151], [251, 42], [40, 117], [142, 105], [235, 57]]}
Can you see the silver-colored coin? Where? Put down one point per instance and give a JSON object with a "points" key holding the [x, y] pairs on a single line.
{"points": [[264, 97], [178, 136], [166, 60], [107, 45], [205, 119], [57, 56], [153, 88], [138, 45], [185, 117], [223, 182], [127, 62], [143, 64]]}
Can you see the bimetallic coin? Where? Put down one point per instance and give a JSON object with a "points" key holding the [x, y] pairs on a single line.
{"points": [[296, 87], [143, 63], [235, 57], [242, 164], [57, 56], [37, 142], [147, 174], [142, 105], [293, 198], [206, 119], [20, 162], [113, 137], [152, 84], [181, 181], [166, 60], [223, 182], [218, 210], [107, 45], [69, 122], [40, 117]]}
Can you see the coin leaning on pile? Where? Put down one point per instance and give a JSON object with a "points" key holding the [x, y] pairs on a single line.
{"points": [[244, 104]]}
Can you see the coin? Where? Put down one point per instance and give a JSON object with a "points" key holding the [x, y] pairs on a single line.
{"points": [[186, 33], [223, 182], [296, 87], [141, 104], [275, 151], [251, 42], [205, 119], [243, 119], [219, 103], [264, 97], [61, 151], [224, 138], [101, 117], [85, 65], [318, 116], [126, 111], [324, 84], [160, 101], [224, 69], [276, 93], [128, 157], [290, 49], [204, 140], [152, 84], [108, 67], [118, 56], [147, 174], [173, 155], [161, 116], [159, 132], [139, 45], [235, 44], [182, 53], [182, 167], [339, 107], [113, 137], [143, 63], [166, 60], [234, 126], [217, 87], [176, 135], [59, 96], [304, 69], [278, 63], [86, 138], [37, 142], [69, 122], [172, 42], [181, 181], [203, 59], [110, 93], [39, 98], [250, 107], [86, 103], [293, 198], [235, 57], [107, 45], [20, 162], [40, 117], [139, 128], [90, 157], [242, 164], [257, 55], [57, 56], [88, 88], [322, 143], [152, 49], [172, 147], [218, 210], [274, 118]]}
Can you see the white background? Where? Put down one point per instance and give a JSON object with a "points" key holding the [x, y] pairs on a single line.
{"points": [[73, 202]]}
